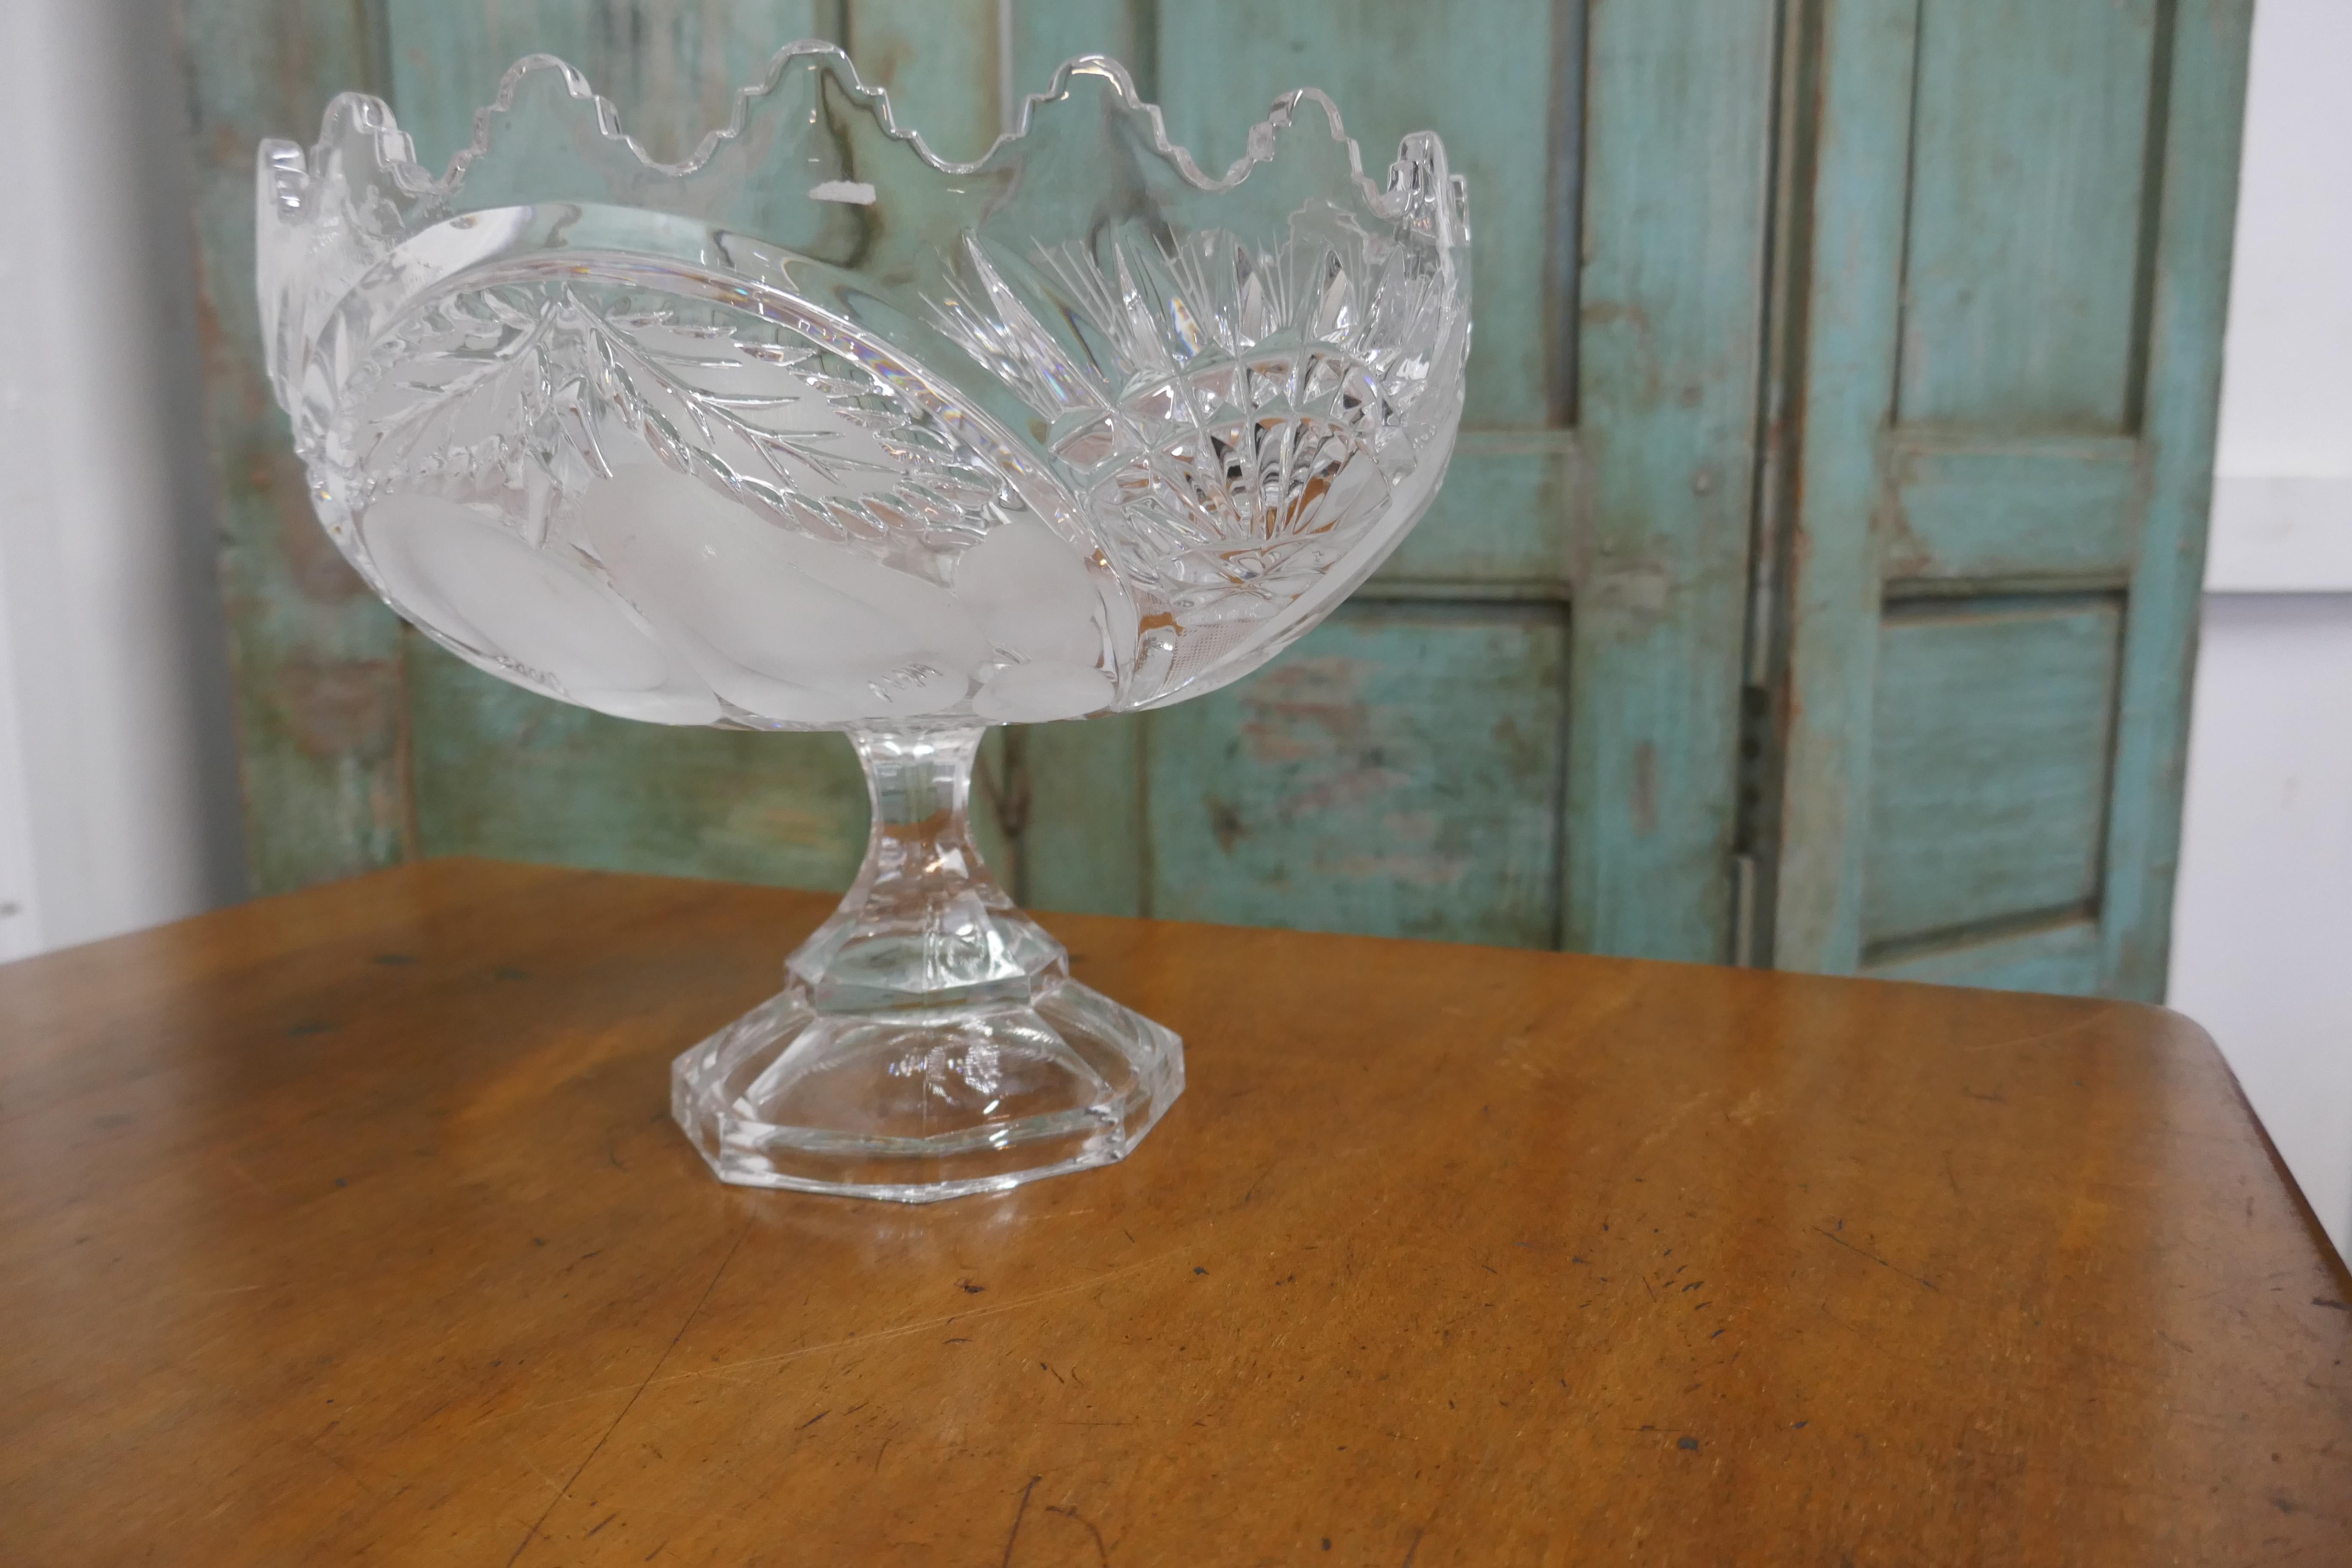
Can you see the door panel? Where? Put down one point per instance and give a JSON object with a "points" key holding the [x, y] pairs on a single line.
{"points": [[1963, 509], [2029, 146], [1397, 772], [1989, 767], [1671, 313], [2006, 403], [1183, 812], [1640, 520], [2065, 954]]}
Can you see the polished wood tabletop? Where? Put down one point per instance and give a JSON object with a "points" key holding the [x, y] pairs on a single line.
{"points": [[351, 1226]]}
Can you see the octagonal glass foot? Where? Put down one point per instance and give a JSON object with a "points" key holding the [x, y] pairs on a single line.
{"points": [[929, 1042], [923, 1106]]}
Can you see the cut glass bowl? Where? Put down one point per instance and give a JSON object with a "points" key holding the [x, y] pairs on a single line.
{"points": [[817, 431]]}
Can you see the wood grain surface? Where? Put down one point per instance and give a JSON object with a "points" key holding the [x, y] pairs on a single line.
{"points": [[351, 1226]]}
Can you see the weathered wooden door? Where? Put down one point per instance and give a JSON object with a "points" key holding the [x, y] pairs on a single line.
{"points": [[1547, 720], [2011, 221]]}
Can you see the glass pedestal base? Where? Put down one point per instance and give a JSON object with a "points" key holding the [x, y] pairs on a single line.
{"points": [[928, 1103], [928, 1042]]}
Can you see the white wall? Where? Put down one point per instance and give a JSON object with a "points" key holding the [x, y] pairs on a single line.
{"points": [[118, 805], [2262, 919]]}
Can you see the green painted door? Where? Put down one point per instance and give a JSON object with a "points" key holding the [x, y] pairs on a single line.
{"points": [[1786, 399], [2013, 220]]}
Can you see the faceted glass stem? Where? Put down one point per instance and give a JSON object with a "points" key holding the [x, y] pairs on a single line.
{"points": [[929, 1041], [925, 924]]}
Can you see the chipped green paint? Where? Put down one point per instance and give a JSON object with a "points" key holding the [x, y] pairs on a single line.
{"points": [[1397, 772], [1678, 113], [321, 714]]}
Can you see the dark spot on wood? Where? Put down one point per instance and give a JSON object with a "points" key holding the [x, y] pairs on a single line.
{"points": [[342, 1182], [508, 972], [393, 960], [814, 1420], [1197, 1270], [2330, 1303], [1689, 1443], [968, 1289]]}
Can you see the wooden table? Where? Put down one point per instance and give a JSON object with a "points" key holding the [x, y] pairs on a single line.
{"points": [[352, 1226]]}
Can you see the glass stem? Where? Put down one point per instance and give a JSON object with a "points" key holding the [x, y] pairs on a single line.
{"points": [[925, 924]]}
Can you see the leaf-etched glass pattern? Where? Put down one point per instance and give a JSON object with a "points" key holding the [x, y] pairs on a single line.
{"points": [[817, 431]]}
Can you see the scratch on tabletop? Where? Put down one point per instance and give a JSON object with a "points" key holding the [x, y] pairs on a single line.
{"points": [[1018, 1513], [523, 1460], [1849, 1327], [2097, 1016], [924, 1325], [1101, 1550], [1413, 1550], [1916, 1279], [1673, 1119], [720, 1372], [1261, 1176], [250, 1179], [565, 1491], [321, 1451]]}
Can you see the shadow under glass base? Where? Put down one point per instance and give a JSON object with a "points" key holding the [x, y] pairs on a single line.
{"points": [[928, 1042]]}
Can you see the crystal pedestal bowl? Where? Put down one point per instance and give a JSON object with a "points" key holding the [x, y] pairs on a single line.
{"points": [[817, 431]]}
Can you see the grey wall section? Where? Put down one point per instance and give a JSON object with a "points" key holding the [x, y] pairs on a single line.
{"points": [[122, 807]]}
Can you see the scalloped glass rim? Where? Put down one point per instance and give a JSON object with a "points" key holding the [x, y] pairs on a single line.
{"points": [[397, 152], [1229, 471]]}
